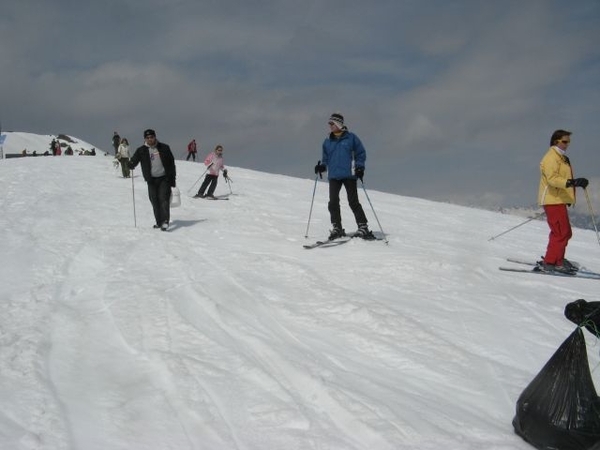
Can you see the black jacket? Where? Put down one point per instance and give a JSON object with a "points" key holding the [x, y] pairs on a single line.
{"points": [[142, 156]]}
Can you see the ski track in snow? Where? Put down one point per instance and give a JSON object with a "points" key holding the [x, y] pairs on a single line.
{"points": [[224, 333], [259, 342]]}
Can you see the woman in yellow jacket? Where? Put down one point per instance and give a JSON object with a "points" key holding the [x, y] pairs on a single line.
{"points": [[556, 192]]}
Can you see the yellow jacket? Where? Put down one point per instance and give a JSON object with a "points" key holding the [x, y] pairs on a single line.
{"points": [[555, 171]]}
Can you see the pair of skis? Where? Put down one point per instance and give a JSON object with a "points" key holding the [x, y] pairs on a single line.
{"points": [[216, 197], [532, 268], [339, 241]]}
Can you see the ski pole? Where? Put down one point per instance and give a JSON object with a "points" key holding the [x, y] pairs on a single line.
{"points": [[374, 213], [133, 196], [228, 181], [312, 201], [589, 202], [203, 173], [195, 183], [537, 216]]}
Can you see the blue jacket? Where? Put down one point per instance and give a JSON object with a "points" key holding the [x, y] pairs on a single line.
{"points": [[338, 154]]}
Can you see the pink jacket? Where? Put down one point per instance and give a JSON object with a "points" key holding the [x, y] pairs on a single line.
{"points": [[217, 163]]}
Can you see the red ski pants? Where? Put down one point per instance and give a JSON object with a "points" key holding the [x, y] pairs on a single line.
{"points": [[560, 233]]}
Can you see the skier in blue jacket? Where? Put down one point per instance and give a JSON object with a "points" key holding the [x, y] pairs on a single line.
{"points": [[341, 151]]}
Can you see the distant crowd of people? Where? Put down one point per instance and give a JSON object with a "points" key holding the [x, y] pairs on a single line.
{"points": [[56, 149]]}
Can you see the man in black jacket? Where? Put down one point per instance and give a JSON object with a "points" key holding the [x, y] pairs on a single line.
{"points": [[158, 169]]}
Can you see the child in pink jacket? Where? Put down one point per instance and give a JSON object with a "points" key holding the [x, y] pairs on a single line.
{"points": [[214, 162]]}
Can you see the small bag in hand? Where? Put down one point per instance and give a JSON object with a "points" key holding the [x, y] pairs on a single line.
{"points": [[175, 197]]}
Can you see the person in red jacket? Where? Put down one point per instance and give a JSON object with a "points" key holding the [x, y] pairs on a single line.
{"points": [[192, 149]]}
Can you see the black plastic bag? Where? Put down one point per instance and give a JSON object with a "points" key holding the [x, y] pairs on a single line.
{"points": [[560, 409], [584, 314]]}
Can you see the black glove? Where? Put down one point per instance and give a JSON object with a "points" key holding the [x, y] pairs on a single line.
{"points": [[359, 172], [320, 168], [578, 182], [225, 173]]}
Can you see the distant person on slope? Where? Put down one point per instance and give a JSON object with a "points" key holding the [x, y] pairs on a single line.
{"points": [[556, 192], [214, 162], [158, 168], [53, 147], [341, 151], [123, 157], [192, 149], [116, 141]]}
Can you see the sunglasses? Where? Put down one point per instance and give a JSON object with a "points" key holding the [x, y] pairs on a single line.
{"points": [[565, 142]]}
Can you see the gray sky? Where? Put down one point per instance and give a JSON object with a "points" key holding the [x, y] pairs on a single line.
{"points": [[453, 100]]}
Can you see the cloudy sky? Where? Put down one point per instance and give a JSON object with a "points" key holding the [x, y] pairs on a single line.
{"points": [[453, 100]]}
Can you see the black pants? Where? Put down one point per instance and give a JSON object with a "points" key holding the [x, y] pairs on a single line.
{"points": [[159, 193], [192, 155], [335, 187], [210, 182]]}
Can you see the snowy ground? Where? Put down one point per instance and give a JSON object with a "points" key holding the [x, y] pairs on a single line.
{"points": [[226, 334]]}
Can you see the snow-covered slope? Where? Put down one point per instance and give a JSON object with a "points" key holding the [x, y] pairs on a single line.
{"points": [[224, 333]]}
